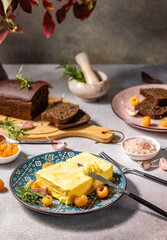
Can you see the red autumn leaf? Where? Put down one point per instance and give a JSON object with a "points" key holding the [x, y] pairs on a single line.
{"points": [[35, 2], [71, 2], [61, 14], [3, 35], [26, 5], [48, 5], [82, 10], [48, 24], [14, 4], [1, 7], [79, 10]]}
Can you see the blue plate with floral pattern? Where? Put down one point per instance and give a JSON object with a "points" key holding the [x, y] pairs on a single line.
{"points": [[27, 171]]}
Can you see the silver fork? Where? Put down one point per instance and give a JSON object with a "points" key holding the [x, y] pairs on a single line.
{"points": [[126, 169]]}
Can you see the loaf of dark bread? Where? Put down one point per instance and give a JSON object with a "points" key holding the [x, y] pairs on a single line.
{"points": [[155, 95], [23, 104], [147, 108], [60, 112], [77, 121]]}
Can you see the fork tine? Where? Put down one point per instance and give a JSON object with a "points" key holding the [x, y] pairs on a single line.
{"points": [[135, 171], [104, 155]]}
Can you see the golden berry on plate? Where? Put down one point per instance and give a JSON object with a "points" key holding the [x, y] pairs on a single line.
{"points": [[163, 122], [102, 191], [2, 185], [81, 201], [146, 121], [134, 101], [47, 200], [34, 185]]}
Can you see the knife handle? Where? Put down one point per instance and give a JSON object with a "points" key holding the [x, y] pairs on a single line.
{"points": [[155, 178], [159, 180], [148, 204]]}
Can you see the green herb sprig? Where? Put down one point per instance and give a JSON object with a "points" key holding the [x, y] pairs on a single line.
{"points": [[13, 131], [27, 195], [70, 70], [25, 83]]}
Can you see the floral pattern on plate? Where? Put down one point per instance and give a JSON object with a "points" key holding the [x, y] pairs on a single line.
{"points": [[27, 171]]}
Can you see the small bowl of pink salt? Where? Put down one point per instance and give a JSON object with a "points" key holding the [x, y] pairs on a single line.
{"points": [[141, 148]]}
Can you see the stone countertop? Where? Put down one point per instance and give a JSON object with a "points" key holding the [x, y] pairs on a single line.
{"points": [[125, 219]]}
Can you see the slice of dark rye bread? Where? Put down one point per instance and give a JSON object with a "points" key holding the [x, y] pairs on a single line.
{"points": [[155, 95], [79, 119], [60, 112], [147, 108]]}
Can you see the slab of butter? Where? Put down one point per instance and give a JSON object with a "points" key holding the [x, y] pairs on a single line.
{"points": [[65, 180]]}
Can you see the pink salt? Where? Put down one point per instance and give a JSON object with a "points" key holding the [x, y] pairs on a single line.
{"points": [[139, 146]]}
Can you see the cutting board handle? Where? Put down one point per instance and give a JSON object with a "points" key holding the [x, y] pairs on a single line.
{"points": [[100, 134], [97, 133], [120, 139]]}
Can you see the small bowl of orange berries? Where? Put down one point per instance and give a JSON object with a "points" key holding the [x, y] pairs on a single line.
{"points": [[9, 150]]}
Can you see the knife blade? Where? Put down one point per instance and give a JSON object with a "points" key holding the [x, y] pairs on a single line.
{"points": [[135, 197]]}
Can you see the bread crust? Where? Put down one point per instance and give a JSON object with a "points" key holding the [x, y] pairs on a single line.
{"points": [[60, 112], [23, 104], [147, 108], [80, 119], [156, 95]]}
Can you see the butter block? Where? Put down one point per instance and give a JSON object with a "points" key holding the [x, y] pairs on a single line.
{"points": [[65, 180]]}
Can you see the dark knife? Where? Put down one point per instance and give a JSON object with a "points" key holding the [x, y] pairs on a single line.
{"points": [[138, 199]]}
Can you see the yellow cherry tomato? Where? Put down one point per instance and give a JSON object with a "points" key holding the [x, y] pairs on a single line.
{"points": [[134, 101], [146, 121]]}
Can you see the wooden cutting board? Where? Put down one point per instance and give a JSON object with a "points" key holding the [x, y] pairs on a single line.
{"points": [[44, 129]]}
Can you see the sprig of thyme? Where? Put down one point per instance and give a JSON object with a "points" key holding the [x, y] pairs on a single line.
{"points": [[27, 195], [24, 81], [70, 70], [13, 131]]}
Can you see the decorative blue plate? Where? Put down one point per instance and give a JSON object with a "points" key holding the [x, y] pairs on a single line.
{"points": [[27, 171]]}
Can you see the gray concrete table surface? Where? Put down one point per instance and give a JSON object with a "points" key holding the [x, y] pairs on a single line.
{"points": [[126, 219]]}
